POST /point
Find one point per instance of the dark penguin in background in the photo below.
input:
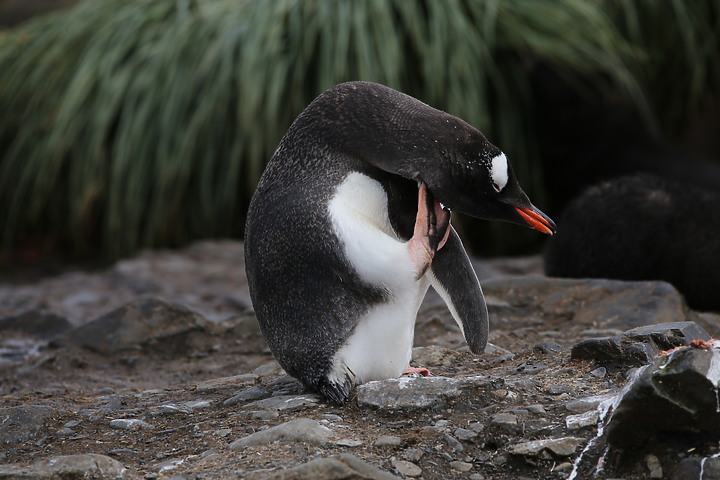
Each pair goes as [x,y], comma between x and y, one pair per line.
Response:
[350,224]
[642,227]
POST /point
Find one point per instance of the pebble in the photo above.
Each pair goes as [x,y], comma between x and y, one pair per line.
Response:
[263,414]
[129,424]
[562,447]
[464,434]
[285,403]
[299,430]
[453,443]
[581,420]
[504,419]
[348,442]
[387,441]
[249,394]
[407,468]
[581,405]
[461,466]
[537,409]
[599,372]
[413,454]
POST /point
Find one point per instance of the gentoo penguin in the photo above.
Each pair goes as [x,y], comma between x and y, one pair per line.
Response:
[643,227]
[350,224]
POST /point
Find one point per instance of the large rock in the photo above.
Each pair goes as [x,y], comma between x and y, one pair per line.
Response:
[89,466]
[338,467]
[609,303]
[677,393]
[418,393]
[23,423]
[295,431]
[140,322]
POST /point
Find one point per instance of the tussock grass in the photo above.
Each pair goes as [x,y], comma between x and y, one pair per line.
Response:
[130,123]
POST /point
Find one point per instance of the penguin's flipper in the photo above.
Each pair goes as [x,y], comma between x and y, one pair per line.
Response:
[453,277]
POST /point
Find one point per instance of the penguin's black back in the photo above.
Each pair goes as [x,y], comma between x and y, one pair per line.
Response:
[642,227]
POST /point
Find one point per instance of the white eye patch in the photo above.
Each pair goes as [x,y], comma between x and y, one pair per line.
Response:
[499,171]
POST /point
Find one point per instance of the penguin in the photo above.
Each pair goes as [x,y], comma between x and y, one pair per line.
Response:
[350,224]
[643,227]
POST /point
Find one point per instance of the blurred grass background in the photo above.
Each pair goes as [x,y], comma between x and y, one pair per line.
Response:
[145,123]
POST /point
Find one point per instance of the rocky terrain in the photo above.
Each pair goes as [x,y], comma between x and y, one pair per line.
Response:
[155,368]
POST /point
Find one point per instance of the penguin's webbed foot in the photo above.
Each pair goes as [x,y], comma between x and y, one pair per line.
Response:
[432,227]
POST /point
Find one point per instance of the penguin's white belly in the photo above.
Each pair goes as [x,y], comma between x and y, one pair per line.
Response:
[380,346]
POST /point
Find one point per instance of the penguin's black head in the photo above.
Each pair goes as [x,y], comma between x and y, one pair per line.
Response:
[475,177]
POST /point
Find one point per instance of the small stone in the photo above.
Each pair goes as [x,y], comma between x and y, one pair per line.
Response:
[562,447]
[504,419]
[563,467]
[603,348]
[453,443]
[129,424]
[599,372]
[407,468]
[537,409]
[299,430]
[387,441]
[88,465]
[65,432]
[654,466]
[559,390]
[413,454]
[464,434]
[338,467]
[548,348]
[287,403]
[249,394]
[264,414]
[348,442]
[575,422]
[476,476]
[476,427]
[461,466]
[581,405]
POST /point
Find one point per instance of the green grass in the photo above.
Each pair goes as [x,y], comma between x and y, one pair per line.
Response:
[132,123]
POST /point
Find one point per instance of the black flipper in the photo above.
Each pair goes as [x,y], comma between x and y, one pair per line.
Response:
[453,277]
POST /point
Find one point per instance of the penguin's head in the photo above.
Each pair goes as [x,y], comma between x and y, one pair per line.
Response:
[474,177]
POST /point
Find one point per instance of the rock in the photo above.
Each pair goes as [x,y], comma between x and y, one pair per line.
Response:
[89,466]
[226,382]
[580,405]
[338,467]
[464,434]
[609,303]
[249,394]
[436,356]
[461,466]
[416,393]
[654,466]
[140,322]
[676,394]
[668,335]
[562,447]
[408,469]
[129,424]
[696,468]
[38,323]
[548,348]
[413,454]
[387,441]
[299,430]
[22,424]
[638,346]
[504,419]
[348,442]
[282,403]
[575,422]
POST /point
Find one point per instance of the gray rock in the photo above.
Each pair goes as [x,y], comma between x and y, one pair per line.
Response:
[464,434]
[337,467]
[413,454]
[284,402]
[504,419]
[38,323]
[142,321]
[299,430]
[349,442]
[416,393]
[580,405]
[21,424]
[602,348]
[668,335]
[224,383]
[610,303]
[89,466]
[387,441]
[677,393]
[461,466]
[561,447]
[130,424]
[249,394]
[697,468]
[582,420]
[408,469]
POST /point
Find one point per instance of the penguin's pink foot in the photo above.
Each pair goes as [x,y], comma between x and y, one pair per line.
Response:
[421,370]
[432,227]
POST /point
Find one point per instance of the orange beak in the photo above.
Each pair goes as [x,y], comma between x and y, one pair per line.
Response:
[537,219]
